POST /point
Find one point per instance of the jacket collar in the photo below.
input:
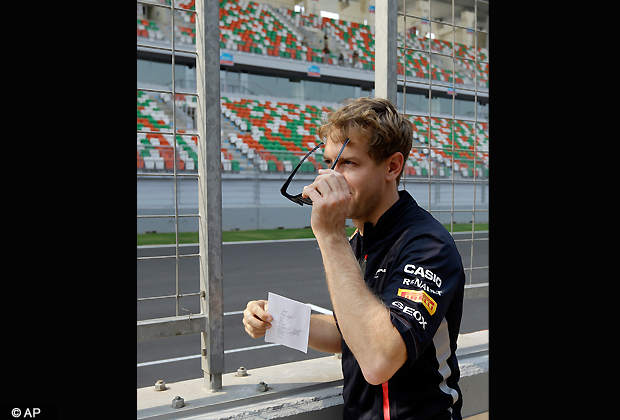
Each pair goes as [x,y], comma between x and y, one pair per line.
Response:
[389,220]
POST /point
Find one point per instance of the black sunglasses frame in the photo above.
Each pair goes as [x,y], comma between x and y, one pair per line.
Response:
[298,198]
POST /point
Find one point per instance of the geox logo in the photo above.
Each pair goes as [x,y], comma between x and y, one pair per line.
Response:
[419,296]
[410,311]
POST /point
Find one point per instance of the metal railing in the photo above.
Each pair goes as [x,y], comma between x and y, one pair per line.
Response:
[387,82]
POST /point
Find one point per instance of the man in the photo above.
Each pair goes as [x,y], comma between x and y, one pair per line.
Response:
[396,285]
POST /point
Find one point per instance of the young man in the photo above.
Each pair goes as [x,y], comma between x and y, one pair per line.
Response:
[396,285]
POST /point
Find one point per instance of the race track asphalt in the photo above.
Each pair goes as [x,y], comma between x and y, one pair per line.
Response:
[250,271]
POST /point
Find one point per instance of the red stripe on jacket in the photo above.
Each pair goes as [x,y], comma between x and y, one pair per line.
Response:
[386,401]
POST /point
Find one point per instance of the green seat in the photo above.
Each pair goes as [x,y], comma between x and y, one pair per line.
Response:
[307,167]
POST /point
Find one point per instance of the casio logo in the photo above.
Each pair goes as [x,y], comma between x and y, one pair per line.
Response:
[428,274]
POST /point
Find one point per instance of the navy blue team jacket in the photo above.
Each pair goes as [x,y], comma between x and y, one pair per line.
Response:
[411,263]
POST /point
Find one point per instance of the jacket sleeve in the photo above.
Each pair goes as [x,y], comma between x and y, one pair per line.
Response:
[424,277]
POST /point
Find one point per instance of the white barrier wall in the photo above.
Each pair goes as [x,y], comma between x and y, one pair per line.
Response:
[250,204]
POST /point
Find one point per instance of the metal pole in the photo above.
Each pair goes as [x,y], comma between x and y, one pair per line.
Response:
[386,27]
[404,55]
[473,219]
[210,190]
[174,137]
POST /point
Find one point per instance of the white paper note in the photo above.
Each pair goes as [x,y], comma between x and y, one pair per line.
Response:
[291,322]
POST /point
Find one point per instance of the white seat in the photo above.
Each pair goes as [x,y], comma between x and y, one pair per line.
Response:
[149,162]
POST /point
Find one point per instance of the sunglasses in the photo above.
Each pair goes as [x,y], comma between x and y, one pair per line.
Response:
[298,198]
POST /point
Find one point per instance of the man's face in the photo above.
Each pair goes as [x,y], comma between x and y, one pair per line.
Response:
[365,179]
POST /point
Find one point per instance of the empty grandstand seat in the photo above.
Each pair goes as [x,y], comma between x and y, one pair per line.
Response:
[149,162]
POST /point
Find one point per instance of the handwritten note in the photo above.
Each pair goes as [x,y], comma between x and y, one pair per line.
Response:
[291,322]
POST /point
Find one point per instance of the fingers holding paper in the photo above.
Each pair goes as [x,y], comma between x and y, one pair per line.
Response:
[256,319]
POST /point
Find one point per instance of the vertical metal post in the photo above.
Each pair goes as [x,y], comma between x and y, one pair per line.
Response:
[404,64]
[386,29]
[453,122]
[174,137]
[210,190]
[473,219]
[430,98]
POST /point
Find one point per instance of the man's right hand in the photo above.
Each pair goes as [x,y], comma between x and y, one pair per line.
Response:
[256,319]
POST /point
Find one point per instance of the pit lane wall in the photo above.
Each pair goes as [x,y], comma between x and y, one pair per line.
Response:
[305,390]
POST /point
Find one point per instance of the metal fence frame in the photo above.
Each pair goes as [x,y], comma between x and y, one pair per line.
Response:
[386,86]
[209,323]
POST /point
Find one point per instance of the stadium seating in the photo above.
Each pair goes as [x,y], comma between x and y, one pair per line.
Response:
[355,37]
[149,29]
[280,132]
[252,27]
[274,130]
[307,20]
[358,37]
[150,116]
[155,150]
[417,63]
[443,157]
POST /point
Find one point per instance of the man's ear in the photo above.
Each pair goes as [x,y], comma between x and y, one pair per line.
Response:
[395,165]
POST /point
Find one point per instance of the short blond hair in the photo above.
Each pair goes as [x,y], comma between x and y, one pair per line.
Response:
[375,119]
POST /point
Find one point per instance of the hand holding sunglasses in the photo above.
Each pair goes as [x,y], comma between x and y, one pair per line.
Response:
[298,198]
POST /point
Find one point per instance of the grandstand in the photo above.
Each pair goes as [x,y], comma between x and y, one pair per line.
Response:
[271,102]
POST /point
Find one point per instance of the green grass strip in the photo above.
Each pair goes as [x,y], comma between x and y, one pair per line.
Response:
[263,235]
